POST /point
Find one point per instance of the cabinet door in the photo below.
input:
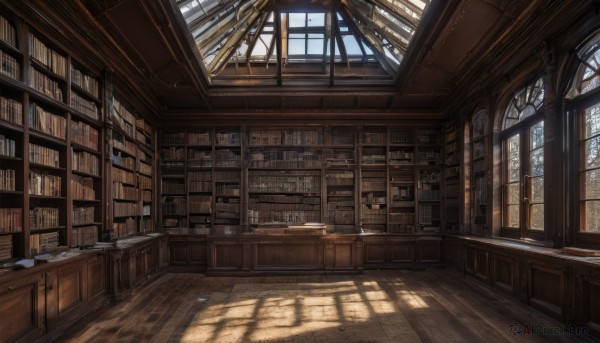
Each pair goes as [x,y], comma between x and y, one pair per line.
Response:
[22,308]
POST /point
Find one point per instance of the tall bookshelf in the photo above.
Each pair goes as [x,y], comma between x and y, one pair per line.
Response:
[131,181]
[50,151]
[478,175]
[382,179]
[451,177]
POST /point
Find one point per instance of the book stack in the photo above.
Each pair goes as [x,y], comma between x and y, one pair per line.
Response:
[7,180]
[84,236]
[10,220]
[43,218]
[6,247]
[7,146]
[43,242]
[11,110]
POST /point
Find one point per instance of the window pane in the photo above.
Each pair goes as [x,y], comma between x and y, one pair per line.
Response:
[537,217]
[537,162]
[514,162]
[592,153]
[315,46]
[537,189]
[316,19]
[297,20]
[513,215]
[537,135]
[592,209]
[592,184]
[514,193]
[592,121]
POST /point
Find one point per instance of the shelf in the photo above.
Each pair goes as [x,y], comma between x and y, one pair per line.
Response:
[47,138]
[11,126]
[85,174]
[43,166]
[48,229]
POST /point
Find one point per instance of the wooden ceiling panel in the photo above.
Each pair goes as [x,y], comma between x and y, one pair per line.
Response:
[473,25]
[257,103]
[133,23]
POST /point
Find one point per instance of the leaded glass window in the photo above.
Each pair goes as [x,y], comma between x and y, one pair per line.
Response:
[523,137]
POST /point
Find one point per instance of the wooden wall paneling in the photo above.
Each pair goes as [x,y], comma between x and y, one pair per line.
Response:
[289,254]
[224,255]
[502,272]
[71,292]
[586,297]
[429,249]
[402,251]
[375,250]
[96,270]
[546,288]
[180,252]
[23,308]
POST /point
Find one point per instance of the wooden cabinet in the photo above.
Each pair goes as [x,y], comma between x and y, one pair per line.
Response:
[187,252]
[397,251]
[135,261]
[273,254]
[46,298]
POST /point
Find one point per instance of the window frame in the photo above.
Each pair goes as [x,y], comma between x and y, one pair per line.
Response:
[523,129]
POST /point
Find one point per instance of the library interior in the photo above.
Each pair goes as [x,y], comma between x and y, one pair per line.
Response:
[292,171]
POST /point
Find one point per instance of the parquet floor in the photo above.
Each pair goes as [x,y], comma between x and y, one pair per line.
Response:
[434,305]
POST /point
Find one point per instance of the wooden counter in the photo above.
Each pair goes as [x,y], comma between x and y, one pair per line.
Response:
[319,254]
[40,301]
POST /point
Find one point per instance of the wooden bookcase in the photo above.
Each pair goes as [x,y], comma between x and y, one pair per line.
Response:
[381,179]
[452,177]
[50,145]
[53,171]
[131,177]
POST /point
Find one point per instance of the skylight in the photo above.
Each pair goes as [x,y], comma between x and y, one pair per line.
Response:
[256,42]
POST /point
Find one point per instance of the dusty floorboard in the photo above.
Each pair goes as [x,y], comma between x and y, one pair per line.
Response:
[380,306]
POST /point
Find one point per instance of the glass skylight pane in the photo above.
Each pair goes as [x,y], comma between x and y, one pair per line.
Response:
[315,46]
[368,51]
[262,45]
[351,44]
[297,19]
[328,50]
[296,46]
[316,19]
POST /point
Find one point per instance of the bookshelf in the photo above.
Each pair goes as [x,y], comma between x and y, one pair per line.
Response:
[50,145]
[451,177]
[478,175]
[131,149]
[380,179]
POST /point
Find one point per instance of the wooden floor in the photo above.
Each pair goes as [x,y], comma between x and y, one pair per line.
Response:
[434,305]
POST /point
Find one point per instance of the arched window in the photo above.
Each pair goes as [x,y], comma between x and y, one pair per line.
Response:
[585,105]
[523,156]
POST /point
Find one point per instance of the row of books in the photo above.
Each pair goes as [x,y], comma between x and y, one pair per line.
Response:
[145,182]
[124,144]
[9,66]
[51,59]
[84,236]
[121,229]
[8,33]
[44,218]
[179,138]
[84,106]
[173,188]
[230,190]
[44,155]
[82,188]
[205,175]
[120,175]
[227,176]
[284,216]
[402,136]
[85,162]
[377,137]
[11,220]
[121,209]
[83,134]
[44,184]
[200,204]
[7,146]
[11,110]
[6,247]
[122,117]
[146,195]
[174,208]
[199,186]
[194,154]
[287,199]
[123,192]
[228,138]
[407,218]
[255,204]
[83,215]
[172,153]
[85,82]
[284,184]
[45,85]
[46,122]
[194,138]
[7,180]
[145,168]
[286,137]
[341,217]
[123,161]
[40,243]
